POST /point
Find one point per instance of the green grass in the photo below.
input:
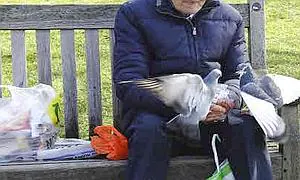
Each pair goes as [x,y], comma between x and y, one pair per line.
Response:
[283,40]
[282,37]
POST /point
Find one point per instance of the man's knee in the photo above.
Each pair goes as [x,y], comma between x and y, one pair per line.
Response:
[242,122]
[248,130]
[147,124]
[250,125]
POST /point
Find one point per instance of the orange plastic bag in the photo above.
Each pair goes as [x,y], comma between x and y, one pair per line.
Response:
[111,142]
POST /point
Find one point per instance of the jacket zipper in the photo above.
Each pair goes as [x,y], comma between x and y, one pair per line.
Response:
[194,33]
[194,29]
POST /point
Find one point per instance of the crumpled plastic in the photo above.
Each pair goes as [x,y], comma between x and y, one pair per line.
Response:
[25,124]
[108,140]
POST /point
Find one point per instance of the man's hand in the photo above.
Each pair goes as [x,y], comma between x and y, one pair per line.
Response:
[218,111]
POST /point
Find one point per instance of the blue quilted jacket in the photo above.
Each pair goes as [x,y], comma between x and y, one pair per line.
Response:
[153,39]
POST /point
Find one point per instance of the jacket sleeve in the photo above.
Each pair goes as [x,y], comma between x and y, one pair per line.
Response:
[236,54]
[131,59]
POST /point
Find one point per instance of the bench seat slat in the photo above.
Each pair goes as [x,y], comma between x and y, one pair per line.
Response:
[18,57]
[187,167]
[94,78]
[43,56]
[69,83]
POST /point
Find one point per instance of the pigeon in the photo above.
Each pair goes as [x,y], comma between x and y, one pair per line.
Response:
[183,92]
[261,87]
[264,95]
[188,94]
[191,131]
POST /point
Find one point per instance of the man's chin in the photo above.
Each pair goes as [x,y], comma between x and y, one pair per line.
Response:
[189,8]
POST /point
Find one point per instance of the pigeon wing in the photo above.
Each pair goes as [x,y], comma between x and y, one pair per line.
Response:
[180,91]
[265,114]
[255,90]
[268,85]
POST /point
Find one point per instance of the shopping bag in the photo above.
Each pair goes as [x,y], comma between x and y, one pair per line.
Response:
[25,124]
[108,140]
[223,171]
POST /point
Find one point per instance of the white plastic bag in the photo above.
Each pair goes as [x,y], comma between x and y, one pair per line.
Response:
[26,108]
[223,171]
[25,123]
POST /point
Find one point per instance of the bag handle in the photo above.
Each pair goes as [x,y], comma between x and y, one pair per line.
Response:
[213,145]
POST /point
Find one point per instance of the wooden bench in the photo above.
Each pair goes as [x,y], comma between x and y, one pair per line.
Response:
[91,18]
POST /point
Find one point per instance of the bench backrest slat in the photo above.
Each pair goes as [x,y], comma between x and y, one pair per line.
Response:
[117,105]
[69,83]
[94,78]
[257,36]
[43,56]
[57,16]
[69,16]
[0,71]
[18,57]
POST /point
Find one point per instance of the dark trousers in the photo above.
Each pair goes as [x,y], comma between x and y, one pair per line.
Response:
[150,147]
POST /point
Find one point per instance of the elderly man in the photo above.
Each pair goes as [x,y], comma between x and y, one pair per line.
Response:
[161,37]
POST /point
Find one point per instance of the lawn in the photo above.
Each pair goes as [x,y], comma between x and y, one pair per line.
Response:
[282,36]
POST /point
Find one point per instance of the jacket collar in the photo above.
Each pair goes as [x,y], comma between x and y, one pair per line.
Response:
[167,7]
